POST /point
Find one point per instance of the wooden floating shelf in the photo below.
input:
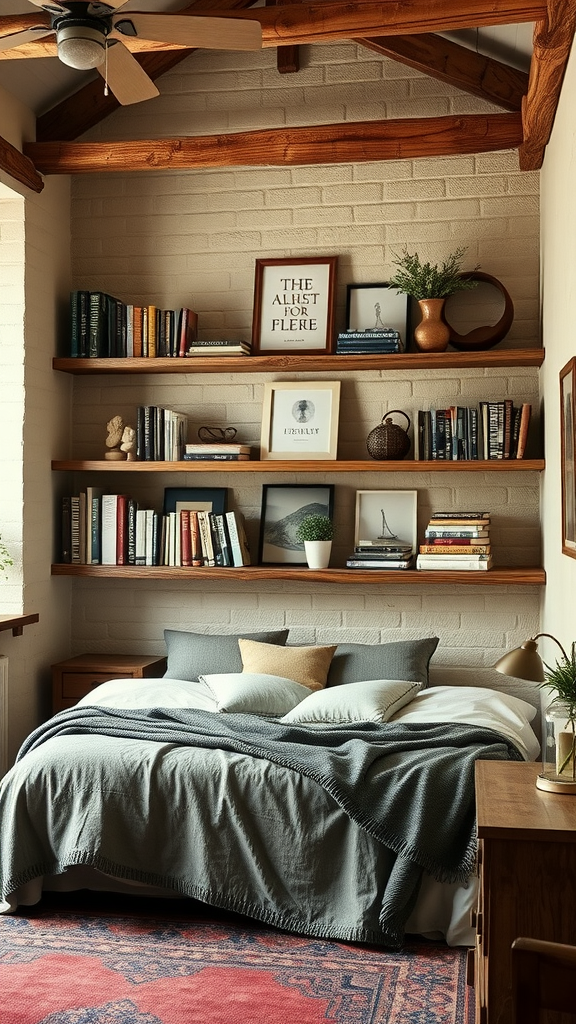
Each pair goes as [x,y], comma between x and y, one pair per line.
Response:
[302,466]
[17,622]
[515,576]
[303,363]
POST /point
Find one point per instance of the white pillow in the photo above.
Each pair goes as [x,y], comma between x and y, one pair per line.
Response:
[150,693]
[255,693]
[477,705]
[373,700]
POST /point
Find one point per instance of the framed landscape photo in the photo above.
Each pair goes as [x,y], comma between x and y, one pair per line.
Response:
[386,518]
[284,506]
[300,420]
[200,499]
[294,305]
[375,307]
[568,456]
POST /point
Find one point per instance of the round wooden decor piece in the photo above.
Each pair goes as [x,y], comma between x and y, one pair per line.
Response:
[482,338]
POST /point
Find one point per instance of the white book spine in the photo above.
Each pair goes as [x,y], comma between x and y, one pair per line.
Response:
[109,527]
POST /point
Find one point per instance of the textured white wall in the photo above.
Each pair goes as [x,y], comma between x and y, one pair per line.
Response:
[192,238]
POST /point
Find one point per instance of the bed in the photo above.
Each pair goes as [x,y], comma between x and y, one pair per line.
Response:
[326,790]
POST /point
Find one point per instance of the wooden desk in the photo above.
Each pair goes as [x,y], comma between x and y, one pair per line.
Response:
[527,868]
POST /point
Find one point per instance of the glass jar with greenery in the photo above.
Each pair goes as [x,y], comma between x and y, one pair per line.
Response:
[559,740]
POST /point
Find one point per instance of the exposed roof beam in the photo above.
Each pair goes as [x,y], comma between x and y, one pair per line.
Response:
[325,21]
[552,44]
[18,166]
[323,144]
[456,65]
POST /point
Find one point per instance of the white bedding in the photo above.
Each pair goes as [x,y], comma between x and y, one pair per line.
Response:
[442,910]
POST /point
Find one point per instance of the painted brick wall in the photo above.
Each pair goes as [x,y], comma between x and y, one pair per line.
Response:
[192,238]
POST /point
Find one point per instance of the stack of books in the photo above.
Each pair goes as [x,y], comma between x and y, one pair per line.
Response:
[219,348]
[456,540]
[381,556]
[368,342]
[225,451]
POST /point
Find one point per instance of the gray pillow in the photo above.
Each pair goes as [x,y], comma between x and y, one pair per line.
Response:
[194,654]
[403,659]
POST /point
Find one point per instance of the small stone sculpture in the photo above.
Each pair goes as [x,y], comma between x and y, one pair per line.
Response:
[129,443]
[115,428]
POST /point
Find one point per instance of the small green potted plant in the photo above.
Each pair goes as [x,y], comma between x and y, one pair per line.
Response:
[316,533]
[559,753]
[431,284]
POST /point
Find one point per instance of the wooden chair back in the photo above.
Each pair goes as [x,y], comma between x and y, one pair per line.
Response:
[543,978]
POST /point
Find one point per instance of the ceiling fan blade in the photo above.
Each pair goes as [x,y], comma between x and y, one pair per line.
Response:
[126,78]
[51,6]
[210,33]
[29,35]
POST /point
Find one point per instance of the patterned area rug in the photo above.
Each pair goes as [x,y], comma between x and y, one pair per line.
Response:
[161,966]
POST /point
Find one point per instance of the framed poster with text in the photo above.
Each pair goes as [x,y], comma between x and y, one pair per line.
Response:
[294,305]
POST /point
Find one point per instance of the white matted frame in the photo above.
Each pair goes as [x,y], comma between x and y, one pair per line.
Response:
[376,307]
[386,516]
[294,305]
[300,420]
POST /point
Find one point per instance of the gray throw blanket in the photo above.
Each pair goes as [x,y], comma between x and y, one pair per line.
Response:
[410,786]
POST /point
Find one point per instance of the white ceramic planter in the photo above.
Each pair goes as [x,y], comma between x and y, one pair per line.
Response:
[318,553]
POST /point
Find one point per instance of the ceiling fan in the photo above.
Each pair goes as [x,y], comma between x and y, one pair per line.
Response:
[90,35]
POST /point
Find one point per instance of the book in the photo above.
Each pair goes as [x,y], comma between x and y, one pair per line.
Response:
[218,350]
[227,447]
[140,549]
[75,528]
[66,530]
[457,532]
[93,525]
[385,335]
[453,562]
[460,517]
[215,457]
[206,544]
[195,543]
[79,320]
[109,528]
[364,563]
[82,526]
[238,543]
[221,540]
[151,521]
[458,541]
[132,510]
[525,414]
[454,549]
[381,553]
[187,331]
[185,538]
[122,529]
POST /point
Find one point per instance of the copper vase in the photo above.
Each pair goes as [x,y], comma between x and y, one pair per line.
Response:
[432,334]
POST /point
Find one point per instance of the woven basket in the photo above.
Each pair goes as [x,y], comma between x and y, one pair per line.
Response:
[389,440]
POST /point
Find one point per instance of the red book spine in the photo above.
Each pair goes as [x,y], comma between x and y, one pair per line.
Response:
[185,538]
[122,530]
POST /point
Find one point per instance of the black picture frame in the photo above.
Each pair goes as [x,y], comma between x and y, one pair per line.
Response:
[283,508]
[212,499]
[393,309]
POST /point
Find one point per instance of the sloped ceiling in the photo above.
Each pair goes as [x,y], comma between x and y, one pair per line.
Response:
[444,40]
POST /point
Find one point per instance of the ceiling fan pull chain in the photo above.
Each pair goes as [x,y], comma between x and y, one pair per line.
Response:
[106,68]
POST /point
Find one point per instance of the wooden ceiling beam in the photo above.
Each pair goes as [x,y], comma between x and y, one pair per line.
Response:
[456,65]
[326,21]
[323,144]
[19,167]
[552,44]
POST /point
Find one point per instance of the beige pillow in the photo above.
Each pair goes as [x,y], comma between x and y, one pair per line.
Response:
[306,665]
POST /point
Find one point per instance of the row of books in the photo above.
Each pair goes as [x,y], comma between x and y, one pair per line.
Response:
[492,430]
[160,434]
[456,541]
[104,327]
[368,342]
[112,529]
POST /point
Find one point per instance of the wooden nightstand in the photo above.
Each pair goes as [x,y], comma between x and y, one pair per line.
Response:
[74,678]
[527,867]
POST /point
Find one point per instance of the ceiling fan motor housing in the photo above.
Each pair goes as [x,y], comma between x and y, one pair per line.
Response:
[81,41]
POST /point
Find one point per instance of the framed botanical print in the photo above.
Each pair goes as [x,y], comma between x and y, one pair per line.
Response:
[294,305]
[567,450]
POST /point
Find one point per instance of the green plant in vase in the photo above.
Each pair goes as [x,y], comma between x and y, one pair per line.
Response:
[431,284]
[316,533]
[562,709]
